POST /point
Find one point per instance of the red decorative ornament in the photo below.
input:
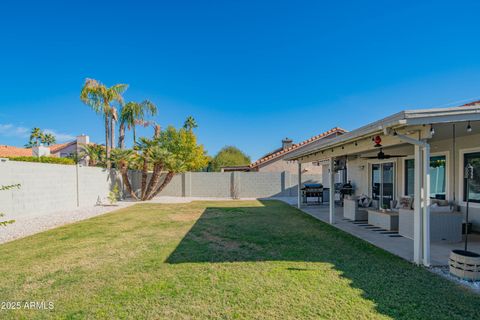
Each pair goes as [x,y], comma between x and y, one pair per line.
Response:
[378,141]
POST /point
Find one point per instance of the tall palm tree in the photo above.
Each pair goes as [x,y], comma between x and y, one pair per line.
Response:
[100,98]
[132,114]
[190,123]
[49,139]
[36,137]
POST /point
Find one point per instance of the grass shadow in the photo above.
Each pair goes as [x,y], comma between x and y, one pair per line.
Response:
[278,232]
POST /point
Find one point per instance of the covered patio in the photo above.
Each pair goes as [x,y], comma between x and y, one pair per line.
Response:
[391,161]
[388,241]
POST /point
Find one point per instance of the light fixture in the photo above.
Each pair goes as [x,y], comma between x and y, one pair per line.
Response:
[432,131]
[356,144]
[469,127]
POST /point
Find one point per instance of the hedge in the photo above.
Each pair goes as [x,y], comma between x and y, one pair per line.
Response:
[44,159]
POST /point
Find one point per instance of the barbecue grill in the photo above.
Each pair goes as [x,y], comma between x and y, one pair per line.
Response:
[345,190]
[312,190]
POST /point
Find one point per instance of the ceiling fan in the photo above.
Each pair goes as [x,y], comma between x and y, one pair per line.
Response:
[382,156]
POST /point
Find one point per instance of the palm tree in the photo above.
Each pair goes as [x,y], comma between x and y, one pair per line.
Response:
[132,114]
[100,99]
[49,139]
[94,152]
[36,137]
[190,124]
[159,156]
[122,159]
[143,146]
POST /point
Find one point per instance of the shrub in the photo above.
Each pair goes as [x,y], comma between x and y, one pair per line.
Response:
[114,195]
[2,188]
[44,159]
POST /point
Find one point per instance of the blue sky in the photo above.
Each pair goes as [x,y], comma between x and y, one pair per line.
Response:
[250,72]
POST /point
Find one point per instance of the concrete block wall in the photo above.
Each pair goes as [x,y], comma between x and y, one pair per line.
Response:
[235,184]
[46,188]
[211,184]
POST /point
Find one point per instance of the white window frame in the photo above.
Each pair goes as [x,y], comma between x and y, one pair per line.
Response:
[461,158]
[448,195]
[373,161]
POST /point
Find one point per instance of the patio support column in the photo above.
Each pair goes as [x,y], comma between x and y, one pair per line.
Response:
[417,207]
[299,186]
[426,205]
[331,193]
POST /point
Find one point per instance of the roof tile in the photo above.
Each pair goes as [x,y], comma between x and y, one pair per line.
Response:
[296,146]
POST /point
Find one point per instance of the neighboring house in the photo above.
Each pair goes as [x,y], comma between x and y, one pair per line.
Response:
[9,151]
[414,155]
[67,149]
[274,160]
[62,150]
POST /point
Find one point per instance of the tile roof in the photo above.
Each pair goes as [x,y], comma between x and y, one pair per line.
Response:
[282,152]
[54,148]
[9,151]
[471,104]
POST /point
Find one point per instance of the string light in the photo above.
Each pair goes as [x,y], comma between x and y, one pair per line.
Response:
[469,127]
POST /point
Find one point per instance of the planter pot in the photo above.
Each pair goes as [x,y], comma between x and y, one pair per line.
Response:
[465,264]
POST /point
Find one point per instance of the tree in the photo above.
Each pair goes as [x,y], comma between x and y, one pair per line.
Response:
[122,158]
[172,151]
[36,137]
[229,156]
[49,139]
[190,124]
[184,155]
[101,98]
[132,114]
[95,154]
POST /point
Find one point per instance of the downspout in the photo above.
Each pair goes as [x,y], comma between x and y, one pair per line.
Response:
[425,192]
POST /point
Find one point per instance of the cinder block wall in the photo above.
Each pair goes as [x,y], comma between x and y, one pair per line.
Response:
[233,184]
[47,188]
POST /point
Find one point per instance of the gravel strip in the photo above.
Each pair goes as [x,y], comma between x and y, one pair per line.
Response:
[444,272]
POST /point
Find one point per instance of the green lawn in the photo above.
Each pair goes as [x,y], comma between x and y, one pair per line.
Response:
[233,259]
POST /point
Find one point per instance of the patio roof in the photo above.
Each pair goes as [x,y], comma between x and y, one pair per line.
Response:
[401,119]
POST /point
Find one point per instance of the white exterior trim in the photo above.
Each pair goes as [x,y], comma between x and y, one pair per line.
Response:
[448,194]
[395,175]
[461,161]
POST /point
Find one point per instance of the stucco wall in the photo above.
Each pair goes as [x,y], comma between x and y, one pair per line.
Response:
[280,165]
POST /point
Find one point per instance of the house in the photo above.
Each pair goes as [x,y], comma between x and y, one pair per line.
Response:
[10,151]
[413,161]
[274,160]
[62,150]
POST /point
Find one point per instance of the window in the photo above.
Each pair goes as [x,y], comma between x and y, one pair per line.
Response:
[474,185]
[409,176]
[437,177]
[383,183]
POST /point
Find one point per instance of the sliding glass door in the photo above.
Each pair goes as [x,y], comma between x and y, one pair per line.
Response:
[383,183]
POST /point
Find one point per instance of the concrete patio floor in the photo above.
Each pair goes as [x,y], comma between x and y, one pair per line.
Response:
[394,243]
